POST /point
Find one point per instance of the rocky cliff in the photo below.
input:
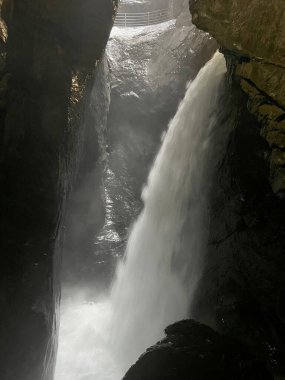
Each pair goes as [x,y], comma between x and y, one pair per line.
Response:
[242,290]
[254,36]
[46,68]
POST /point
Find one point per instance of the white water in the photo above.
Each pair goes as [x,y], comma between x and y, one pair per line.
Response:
[155,282]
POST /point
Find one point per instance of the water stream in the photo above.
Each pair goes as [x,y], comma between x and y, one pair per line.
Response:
[163,261]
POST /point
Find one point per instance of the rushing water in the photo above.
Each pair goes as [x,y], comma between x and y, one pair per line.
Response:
[155,282]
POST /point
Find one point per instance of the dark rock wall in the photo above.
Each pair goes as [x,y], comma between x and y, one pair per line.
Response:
[51,48]
[86,206]
[242,290]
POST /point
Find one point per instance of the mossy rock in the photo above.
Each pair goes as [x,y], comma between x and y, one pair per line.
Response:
[268,78]
[276,126]
[278,181]
[276,139]
[3,90]
[277,158]
[260,105]
[270,112]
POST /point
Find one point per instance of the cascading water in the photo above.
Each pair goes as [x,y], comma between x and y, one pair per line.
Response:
[148,293]
[154,284]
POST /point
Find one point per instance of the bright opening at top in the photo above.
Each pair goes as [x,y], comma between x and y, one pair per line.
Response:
[137,13]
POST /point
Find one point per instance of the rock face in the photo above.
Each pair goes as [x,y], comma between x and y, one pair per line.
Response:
[194,351]
[149,70]
[255,34]
[51,51]
[242,290]
[86,206]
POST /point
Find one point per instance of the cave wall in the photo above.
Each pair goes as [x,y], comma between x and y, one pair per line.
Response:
[86,205]
[241,292]
[242,289]
[255,34]
[51,50]
[149,70]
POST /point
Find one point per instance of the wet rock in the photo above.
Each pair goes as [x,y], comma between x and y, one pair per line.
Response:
[194,351]
[86,205]
[271,119]
[241,290]
[51,52]
[256,31]
[149,69]
[255,36]
[269,79]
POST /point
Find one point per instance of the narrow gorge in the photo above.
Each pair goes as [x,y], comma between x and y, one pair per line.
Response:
[142,190]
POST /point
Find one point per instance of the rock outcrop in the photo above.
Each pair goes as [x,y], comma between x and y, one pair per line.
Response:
[51,51]
[194,351]
[253,35]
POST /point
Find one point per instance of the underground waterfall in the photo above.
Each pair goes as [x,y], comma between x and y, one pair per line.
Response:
[155,282]
[142,190]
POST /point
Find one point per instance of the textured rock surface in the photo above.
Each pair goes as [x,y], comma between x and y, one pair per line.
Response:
[86,206]
[254,33]
[255,30]
[52,47]
[196,352]
[242,290]
[149,71]
[271,119]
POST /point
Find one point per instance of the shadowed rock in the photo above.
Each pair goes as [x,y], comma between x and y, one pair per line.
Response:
[194,351]
[51,52]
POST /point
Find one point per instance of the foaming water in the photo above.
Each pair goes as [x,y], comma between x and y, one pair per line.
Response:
[156,280]
[84,351]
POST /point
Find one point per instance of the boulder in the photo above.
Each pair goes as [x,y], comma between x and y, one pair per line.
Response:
[195,351]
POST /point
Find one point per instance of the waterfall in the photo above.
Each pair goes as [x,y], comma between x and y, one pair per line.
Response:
[149,293]
[156,280]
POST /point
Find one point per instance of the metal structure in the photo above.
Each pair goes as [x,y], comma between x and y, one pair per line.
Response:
[124,20]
